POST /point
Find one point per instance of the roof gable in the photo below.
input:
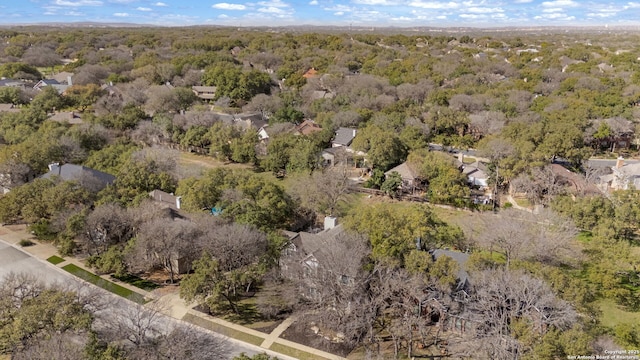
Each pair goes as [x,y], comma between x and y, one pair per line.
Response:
[344,136]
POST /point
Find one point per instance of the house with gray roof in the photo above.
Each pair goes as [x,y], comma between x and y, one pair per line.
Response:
[461,259]
[61,88]
[91,179]
[307,252]
[344,137]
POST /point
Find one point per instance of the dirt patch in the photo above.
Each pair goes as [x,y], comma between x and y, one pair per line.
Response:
[301,333]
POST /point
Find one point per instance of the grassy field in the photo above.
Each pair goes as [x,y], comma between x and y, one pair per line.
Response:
[612,314]
[224,330]
[55,260]
[298,354]
[137,282]
[107,285]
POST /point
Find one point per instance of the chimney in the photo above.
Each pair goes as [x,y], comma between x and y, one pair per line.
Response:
[619,162]
[178,201]
[330,222]
[354,132]
[53,166]
[461,157]
[69,82]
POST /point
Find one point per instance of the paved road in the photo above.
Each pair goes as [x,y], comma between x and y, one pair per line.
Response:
[606,163]
[15,260]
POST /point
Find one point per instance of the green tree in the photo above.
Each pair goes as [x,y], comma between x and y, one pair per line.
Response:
[394,231]
[392,184]
[83,96]
[384,150]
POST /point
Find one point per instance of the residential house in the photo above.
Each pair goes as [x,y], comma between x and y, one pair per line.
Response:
[307,127]
[306,253]
[204,92]
[341,152]
[343,137]
[166,200]
[63,77]
[476,174]
[623,176]
[91,179]
[246,121]
[574,183]
[13,83]
[61,88]
[461,259]
[410,177]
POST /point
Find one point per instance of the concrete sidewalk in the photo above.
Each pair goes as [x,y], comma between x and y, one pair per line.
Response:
[169,301]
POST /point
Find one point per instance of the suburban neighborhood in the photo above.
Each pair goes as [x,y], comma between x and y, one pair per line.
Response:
[252,195]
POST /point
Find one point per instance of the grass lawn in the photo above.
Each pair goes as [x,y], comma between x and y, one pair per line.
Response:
[208,162]
[524,202]
[613,314]
[137,282]
[55,260]
[298,354]
[107,285]
[224,330]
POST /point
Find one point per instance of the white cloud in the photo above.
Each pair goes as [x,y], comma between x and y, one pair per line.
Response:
[473,16]
[74,13]
[602,14]
[559,3]
[227,6]
[434,4]
[223,16]
[483,10]
[339,8]
[339,13]
[555,16]
[143,9]
[313,2]
[78,3]
[160,4]
[272,10]
[552,10]
[402,18]
[121,15]
[522,1]
[273,3]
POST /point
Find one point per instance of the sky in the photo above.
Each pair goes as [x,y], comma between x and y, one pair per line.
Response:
[376,13]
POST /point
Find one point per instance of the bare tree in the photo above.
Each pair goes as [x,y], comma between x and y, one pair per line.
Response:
[541,185]
[167,244]
[522,235]
[500,298]
[107,225]
[264,104]
[326,190]
[14,173]
[334,285]
[233,245]
[41,56]
[64,346]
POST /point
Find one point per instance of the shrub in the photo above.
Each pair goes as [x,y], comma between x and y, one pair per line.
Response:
[26,242]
